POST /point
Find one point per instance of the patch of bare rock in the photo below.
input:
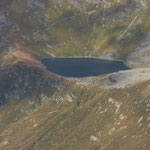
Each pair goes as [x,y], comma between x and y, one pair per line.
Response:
[121,79]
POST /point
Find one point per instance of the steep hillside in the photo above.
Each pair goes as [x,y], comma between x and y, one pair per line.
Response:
[40,110]
[75,28]
[84,118]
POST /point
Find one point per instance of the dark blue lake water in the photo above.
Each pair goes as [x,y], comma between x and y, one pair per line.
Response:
[82,67]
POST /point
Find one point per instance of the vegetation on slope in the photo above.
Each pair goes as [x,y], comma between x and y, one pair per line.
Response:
[39,110]
[81,118]
[61,28]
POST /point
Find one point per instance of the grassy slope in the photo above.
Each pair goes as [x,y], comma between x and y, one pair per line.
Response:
[69,126]
[55,123]
[73,32]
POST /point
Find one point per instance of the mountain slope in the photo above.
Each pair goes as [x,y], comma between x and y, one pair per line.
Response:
[40,110]
[94,119]
[75,28]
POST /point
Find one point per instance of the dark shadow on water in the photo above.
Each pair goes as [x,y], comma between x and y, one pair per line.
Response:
[82,67]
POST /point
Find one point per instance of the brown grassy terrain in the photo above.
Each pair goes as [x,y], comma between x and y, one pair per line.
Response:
[42,111]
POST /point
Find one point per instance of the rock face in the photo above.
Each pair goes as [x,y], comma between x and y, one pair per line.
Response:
[117,80]
[141,56]
[35,4]
[127,78]
[4,22]
[20,77]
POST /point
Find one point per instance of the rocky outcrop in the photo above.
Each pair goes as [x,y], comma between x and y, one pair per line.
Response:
[141,56]
[128,78]
[38,4]
[26,81]
[4,22]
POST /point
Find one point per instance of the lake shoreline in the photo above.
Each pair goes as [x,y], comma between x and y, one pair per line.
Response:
[82,66]
[90,57]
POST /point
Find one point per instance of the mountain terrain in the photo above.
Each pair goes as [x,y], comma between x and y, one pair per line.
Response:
[40,110]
